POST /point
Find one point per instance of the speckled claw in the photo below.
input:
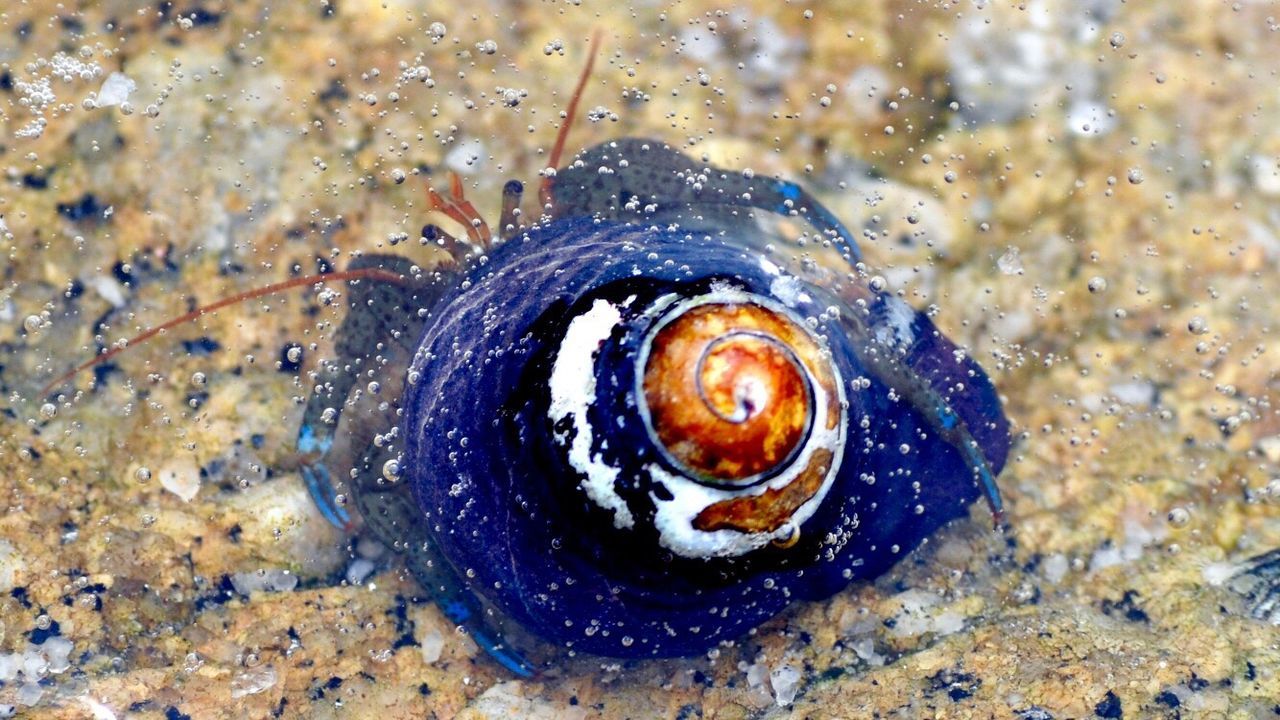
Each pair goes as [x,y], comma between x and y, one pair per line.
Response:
[350,431]
[785,197]
[651,182]
[381,314]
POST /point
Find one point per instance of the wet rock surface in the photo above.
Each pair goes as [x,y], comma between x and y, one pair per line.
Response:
[1101,232]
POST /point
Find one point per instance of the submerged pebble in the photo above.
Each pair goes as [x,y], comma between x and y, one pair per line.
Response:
[115,90]
[785,681]
[12,566]
[264,580]
[180,475]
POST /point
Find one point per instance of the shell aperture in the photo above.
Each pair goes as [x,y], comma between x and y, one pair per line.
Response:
[726,395]
[737,474]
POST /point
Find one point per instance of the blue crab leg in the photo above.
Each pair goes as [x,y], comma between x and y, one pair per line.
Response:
[948,424]
[315,439]
[316,476]
[391,513]
[899,344]
[944,421]
[461,608]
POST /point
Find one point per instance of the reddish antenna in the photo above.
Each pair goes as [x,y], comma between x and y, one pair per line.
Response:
[375,274]
[544,192]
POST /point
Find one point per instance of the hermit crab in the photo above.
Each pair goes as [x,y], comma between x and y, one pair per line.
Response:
[647,418]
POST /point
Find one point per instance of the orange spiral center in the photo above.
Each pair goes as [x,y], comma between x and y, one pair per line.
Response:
[727,390]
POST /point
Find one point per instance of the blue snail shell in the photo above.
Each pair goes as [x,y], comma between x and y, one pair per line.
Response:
[503,507]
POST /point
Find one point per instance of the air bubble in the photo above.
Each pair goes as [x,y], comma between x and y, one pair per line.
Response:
[391,470]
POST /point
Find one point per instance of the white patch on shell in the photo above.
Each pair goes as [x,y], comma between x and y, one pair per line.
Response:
[786,288]
[789,290]
[896,328]
[674,518]
[573,391]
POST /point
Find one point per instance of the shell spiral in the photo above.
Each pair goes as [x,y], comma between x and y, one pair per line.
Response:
[640,442]
[736,393]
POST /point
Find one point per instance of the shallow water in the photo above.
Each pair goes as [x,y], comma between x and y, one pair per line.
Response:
[1088,193]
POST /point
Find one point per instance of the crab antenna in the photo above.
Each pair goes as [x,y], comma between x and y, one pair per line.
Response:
[375,274]
[544,193]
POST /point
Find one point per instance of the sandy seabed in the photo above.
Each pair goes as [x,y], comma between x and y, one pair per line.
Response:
[1088,192]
